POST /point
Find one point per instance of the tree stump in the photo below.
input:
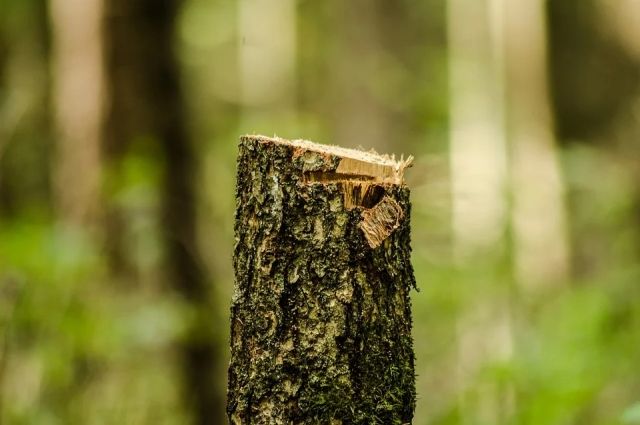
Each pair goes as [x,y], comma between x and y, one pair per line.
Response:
[321,315]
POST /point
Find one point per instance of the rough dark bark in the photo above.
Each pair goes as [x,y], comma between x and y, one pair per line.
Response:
[321,317]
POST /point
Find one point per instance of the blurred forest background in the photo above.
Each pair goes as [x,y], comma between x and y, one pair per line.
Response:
[119,121]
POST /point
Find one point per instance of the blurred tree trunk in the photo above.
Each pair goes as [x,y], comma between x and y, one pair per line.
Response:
[598,37]
[267,30]
[25,115]
[147,101]
[500,119]
[4,57]
[4,136]
[539,215]
[77,98]
[601,39]
[479,181]
[478,139]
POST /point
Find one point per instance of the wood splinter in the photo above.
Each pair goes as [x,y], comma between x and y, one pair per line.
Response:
[321,317]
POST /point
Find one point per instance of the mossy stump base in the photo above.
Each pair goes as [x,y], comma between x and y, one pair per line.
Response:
[321,315]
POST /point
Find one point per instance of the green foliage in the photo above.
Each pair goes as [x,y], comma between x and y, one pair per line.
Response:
[68,336]
[632,415]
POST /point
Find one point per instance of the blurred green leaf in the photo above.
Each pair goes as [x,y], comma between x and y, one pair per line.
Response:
[632,414]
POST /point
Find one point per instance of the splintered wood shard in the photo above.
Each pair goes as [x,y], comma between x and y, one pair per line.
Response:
[380,221]
[321,312]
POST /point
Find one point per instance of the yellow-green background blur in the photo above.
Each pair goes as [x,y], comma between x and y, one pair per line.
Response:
[119,121]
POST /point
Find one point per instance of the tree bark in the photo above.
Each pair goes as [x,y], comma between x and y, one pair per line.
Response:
[321,317]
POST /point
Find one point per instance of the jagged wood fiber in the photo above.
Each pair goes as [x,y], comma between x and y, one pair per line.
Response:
[320,320]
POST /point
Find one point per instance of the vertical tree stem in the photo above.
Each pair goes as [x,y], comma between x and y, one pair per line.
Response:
[321,317]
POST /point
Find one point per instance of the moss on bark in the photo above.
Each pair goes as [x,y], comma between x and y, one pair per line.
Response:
[321,321]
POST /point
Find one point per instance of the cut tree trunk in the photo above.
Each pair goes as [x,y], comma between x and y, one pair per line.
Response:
[321,315]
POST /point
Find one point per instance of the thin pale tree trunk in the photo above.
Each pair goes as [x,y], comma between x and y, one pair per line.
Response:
[539,214]
[77,100]
[478,150]
[478,145]
[267,32]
